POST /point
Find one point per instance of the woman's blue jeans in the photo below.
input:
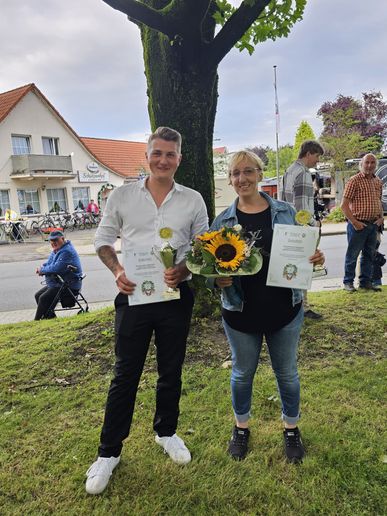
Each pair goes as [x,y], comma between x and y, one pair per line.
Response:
[245,351]
[364,241]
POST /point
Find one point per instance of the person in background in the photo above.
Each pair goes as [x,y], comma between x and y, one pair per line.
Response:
[377,263]
[55,208]
[92,207]
[29,209]
[297,189]
[62,255]
[145,214]
[362,207]
[252,310]
[13,218]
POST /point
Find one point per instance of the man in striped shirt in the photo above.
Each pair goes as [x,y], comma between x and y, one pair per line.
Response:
[362,206]
[298,190]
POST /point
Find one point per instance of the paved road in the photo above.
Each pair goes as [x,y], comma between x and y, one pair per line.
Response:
[18,281]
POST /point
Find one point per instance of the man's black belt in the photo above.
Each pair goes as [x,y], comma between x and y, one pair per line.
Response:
[367,221]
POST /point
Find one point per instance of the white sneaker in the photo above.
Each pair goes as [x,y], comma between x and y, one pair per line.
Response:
[99,473]
[175,448]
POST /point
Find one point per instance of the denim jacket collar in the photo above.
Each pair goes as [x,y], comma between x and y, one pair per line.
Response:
[275,206]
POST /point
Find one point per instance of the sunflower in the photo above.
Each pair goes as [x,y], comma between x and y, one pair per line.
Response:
[228,251]
[209,235]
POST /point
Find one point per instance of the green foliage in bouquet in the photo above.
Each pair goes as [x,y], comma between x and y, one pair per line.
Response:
[224,252]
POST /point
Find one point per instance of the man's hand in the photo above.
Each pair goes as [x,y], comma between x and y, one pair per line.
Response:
[125,286]
[224,281]
[358,225]
[318,258]
[38,271]
[175,275]
[379,221]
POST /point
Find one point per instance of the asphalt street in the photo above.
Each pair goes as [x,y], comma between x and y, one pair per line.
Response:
[18,281]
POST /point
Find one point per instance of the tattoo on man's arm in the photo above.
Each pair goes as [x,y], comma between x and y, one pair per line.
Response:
[108,256]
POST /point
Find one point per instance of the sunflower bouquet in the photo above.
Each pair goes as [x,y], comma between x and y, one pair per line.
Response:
[224,252]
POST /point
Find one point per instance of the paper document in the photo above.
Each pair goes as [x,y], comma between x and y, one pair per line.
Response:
[143,268]
[291,249]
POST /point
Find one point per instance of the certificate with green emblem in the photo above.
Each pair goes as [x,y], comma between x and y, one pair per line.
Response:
[291,248]
[143,268]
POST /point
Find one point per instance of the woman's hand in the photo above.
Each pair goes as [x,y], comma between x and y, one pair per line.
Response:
[223,281]
[318,258]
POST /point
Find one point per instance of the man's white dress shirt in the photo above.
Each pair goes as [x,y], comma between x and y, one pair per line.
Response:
[132,214]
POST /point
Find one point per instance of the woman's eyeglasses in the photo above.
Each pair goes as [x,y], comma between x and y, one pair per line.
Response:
[247,172]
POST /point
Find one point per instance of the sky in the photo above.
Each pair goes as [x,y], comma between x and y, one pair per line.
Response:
[86,58]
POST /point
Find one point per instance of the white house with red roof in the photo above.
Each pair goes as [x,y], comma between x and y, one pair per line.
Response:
[45,165]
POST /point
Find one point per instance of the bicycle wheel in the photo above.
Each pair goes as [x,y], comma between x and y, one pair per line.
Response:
[34,229]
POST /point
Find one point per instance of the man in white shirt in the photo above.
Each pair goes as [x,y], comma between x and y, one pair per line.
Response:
[146,214]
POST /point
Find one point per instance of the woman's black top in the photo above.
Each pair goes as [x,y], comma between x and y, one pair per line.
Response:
[265,309]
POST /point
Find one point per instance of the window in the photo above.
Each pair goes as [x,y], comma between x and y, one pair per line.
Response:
[50,146]
[21,144]
[56,199]
[4,202]
[28,201]
[81,197]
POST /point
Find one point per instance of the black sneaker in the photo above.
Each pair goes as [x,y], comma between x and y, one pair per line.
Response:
[312,315]
[237,447]
[369,286]
[294,449]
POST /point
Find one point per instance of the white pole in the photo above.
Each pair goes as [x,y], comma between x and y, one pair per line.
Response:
[276,127]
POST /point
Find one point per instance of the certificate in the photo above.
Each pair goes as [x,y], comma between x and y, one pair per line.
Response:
[291,249]
[143,268]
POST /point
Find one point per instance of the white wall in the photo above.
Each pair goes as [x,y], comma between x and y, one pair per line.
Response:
[32,117]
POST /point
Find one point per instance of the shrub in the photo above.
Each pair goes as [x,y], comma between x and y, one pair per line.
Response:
[336,215]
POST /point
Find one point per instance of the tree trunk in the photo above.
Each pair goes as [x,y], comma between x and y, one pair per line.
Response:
[181,96]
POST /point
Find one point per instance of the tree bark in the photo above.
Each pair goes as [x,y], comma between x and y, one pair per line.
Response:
[181,96]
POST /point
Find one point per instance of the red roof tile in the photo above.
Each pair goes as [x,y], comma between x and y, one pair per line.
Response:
[9,99]
[127,158]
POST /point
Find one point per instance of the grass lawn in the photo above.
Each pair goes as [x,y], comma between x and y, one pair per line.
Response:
[54,377]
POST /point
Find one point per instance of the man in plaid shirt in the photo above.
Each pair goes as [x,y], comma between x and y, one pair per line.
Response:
[297,189]
[362,206]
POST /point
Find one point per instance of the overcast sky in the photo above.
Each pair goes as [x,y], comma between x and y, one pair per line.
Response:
[86,58]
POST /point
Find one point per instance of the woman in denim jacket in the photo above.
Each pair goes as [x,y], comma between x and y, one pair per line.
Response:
[251,310]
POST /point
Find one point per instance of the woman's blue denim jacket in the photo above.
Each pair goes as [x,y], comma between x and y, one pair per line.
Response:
[281,213]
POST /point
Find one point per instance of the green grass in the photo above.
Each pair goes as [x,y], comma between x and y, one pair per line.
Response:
[53,382]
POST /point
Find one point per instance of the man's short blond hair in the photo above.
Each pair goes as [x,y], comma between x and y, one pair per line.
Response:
[167,134]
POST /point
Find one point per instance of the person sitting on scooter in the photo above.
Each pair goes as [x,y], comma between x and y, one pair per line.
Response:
[62,256]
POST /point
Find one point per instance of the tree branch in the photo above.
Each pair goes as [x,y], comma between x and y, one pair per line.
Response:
[141,13]
[233,30]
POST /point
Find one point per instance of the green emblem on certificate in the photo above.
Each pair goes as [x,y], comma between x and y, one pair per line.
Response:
[166,233]
[290,271]
[148,287]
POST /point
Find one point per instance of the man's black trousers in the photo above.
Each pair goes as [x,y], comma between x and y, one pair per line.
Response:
[44,298]
[134,326]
